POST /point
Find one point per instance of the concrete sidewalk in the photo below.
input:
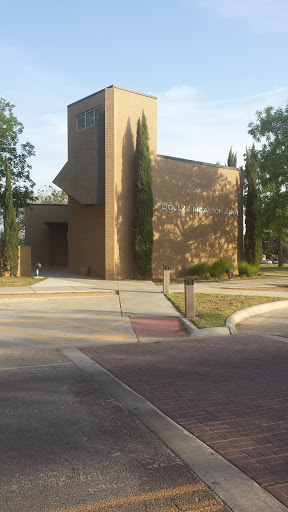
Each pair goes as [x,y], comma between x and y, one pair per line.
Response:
[136,297]
[151,314]
[150,293]
[271,287]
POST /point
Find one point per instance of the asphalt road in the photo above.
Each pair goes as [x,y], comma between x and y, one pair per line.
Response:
[65,444]
[274,323]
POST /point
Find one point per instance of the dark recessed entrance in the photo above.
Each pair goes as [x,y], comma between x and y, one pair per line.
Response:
[58,243]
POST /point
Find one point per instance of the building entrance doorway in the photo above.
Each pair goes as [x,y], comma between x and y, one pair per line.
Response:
[58,253]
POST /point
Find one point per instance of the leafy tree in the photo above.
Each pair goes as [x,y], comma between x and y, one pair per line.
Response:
[10,235]
[232,159]
[272,127]
[143,202]
[51,195]
[271,245]
[252,240]
[17,155]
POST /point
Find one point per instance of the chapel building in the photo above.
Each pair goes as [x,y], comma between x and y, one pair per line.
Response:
[197,206]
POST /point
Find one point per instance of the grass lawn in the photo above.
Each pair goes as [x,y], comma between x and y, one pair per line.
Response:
[212,310]
[274,269]
[19,281]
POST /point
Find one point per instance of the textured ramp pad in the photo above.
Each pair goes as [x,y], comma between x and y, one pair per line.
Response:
[158,326]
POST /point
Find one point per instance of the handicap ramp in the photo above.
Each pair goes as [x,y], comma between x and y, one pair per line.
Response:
[158,327]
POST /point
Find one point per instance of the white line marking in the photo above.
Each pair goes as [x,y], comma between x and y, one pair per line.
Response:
[35,366]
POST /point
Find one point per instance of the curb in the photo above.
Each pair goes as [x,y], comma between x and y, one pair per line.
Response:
[243,314]
[237,490]
[47,295]
[233,320]
[202,333]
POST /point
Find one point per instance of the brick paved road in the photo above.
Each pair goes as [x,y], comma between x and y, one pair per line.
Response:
[232,393]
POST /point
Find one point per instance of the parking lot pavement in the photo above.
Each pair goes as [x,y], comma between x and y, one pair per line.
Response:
[55,321]
[231,393]
[272,323]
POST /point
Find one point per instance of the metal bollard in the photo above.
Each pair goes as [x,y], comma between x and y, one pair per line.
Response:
[166,278]
[189,297]
[37,266]
[229,271]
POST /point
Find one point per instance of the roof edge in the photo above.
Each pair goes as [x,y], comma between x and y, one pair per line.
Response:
[130,90]
[112,87]
[198,162]
[89,96]
[47,204]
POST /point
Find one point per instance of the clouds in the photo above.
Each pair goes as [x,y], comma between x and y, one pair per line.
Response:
[181,93]
[259,15]
[192,127]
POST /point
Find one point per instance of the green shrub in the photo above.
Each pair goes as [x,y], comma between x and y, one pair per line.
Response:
[200,270]
[219,267]
[245,269]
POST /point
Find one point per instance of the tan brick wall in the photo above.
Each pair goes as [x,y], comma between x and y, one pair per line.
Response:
[101,236]
[110,203]
[82,177]
[86,238]
[38,234]
[122,110]
[180,239]
[24,262]
[76,108]
[183,238]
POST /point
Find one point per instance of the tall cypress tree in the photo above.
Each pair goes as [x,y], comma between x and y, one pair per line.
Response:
[232,159]
[10,237]
[252,240]
[143,202]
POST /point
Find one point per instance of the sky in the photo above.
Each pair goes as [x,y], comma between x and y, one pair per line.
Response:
[211,63]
